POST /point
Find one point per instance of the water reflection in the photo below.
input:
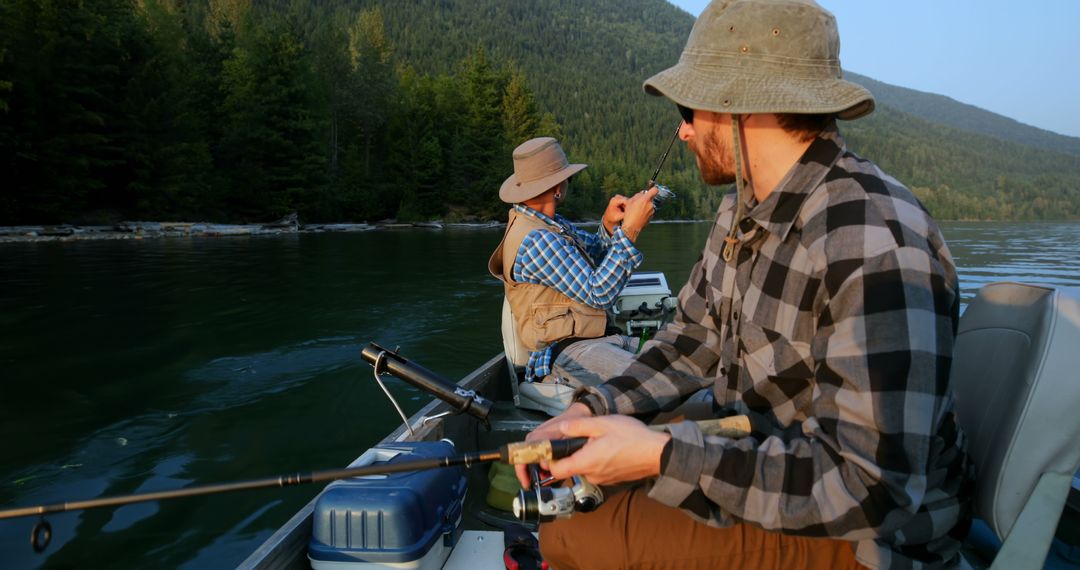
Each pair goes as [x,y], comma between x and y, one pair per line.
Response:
[1039,253]
[138,366]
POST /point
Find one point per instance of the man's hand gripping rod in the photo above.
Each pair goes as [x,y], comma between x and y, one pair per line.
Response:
[532,452]
[545,503]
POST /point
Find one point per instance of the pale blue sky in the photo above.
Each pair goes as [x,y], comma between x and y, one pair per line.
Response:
[1018,59]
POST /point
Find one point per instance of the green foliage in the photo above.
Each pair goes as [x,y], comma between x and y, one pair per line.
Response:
[167,148]
[960,175]
[65,61]
[269,139]
[5,86]
[519,111]
[370,109]
[585,62]
[417,145]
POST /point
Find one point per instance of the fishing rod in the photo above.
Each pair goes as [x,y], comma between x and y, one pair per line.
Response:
[664,193]
[663,157]
[520,453]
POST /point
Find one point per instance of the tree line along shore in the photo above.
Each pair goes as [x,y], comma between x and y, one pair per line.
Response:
[155,230]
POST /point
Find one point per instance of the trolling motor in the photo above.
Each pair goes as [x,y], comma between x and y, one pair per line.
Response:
[544,503]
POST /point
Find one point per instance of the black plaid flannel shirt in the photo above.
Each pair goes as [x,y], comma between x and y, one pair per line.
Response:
[832,327]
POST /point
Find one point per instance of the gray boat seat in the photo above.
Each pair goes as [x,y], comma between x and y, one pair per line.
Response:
[1016,375]
[516,354]
[551,399]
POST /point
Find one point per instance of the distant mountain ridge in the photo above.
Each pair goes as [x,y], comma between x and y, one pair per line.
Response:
[948,111]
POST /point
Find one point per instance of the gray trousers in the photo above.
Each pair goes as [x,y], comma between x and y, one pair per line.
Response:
[594,361]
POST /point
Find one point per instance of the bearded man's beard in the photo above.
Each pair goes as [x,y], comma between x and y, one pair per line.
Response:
[714,160]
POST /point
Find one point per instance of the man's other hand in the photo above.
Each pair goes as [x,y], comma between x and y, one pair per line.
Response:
[637,212]
[620,449]
[616,209]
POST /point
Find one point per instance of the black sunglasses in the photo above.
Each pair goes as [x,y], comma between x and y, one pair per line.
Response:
[687,114]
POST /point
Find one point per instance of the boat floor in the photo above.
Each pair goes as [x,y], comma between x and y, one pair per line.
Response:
[480,546]
[510,424]
[477,550]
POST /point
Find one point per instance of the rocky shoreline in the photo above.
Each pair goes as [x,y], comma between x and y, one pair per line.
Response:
[155,230]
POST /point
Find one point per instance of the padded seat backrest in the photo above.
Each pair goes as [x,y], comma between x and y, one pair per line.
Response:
[516,354]
[1016,375]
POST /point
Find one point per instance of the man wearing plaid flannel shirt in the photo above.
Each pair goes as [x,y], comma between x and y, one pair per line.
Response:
[823,308]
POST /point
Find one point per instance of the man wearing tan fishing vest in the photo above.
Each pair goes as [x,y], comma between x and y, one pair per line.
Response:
[560,280]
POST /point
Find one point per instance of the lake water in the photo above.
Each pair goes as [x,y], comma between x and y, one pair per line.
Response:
[137,366]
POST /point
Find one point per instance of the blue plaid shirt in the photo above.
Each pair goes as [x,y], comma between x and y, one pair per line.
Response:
[547,258]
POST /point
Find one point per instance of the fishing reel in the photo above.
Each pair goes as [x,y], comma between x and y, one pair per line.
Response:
[543,503]
[663,194]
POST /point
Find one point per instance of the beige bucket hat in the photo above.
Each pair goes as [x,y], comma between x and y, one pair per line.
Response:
[539,164]
[763,56]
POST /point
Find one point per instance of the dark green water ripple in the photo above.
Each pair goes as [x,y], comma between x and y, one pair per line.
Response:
[145,365]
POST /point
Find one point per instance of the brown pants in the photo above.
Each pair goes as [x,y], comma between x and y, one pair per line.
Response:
[632,531]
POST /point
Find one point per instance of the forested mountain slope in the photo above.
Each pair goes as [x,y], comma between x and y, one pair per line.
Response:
[353,110]
[586,62]
[948,111]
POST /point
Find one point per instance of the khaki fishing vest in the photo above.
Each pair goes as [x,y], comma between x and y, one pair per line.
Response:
[542,315]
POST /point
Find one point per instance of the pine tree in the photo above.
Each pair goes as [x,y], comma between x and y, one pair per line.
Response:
[483,141]
[519,111]
[334,77]
[8,204]
[63,107]
[167,147]
[5,86]
[270,141]
[548,126]
[416,149]
[374,80]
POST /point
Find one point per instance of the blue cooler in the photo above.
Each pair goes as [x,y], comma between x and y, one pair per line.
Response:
[401,520]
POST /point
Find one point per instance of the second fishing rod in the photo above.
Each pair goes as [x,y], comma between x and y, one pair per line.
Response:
[663,193]
[519,453]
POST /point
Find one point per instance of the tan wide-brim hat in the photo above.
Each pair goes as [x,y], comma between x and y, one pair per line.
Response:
[763,56]
[539,165]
